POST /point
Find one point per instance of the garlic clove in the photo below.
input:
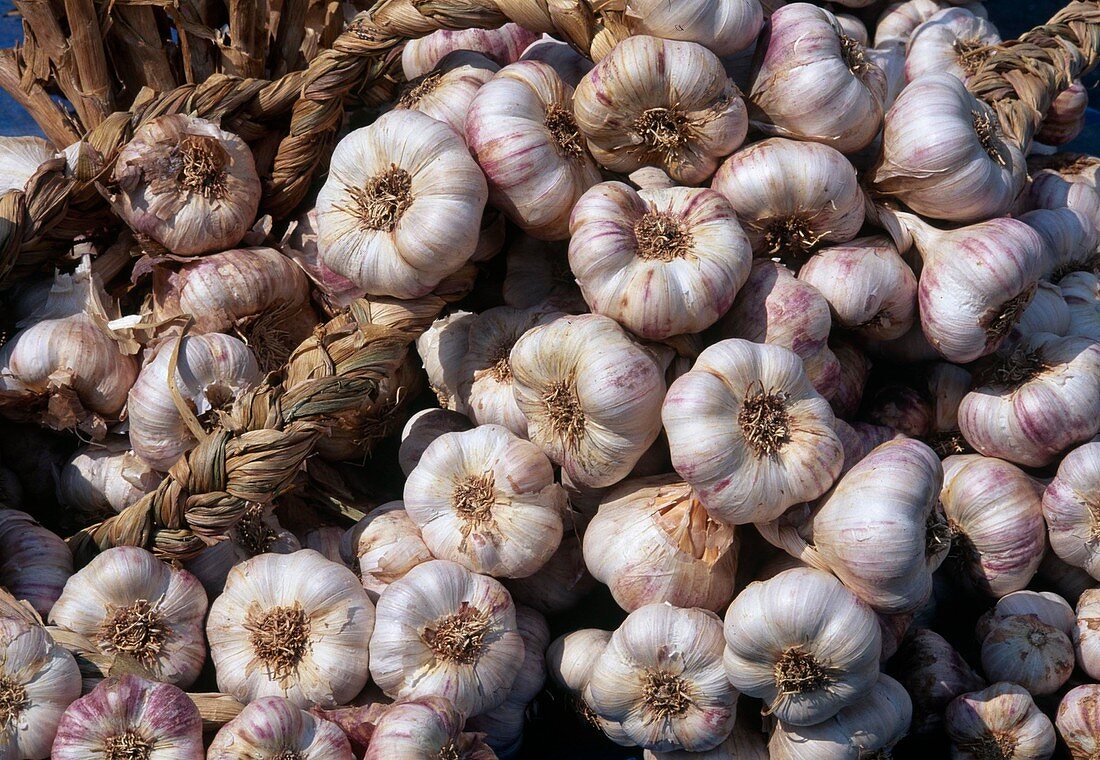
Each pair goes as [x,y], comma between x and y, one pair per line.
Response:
[271,726]
[743,743]
[898,20]
[1078,721]
[386,545]
[855,367]
[326,540]
[1070,239]
[35,564]
[1071,508]
[1001,719]
[1048,312]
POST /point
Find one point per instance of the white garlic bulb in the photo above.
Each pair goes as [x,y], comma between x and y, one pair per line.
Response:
[521,129]
[743,743]
[1071,510]
[661,678]
[133,606]
[20,158]
[660,262]
[944,154]
[35,563]
[804,644]
[442,348]
[748,432]
[1027,650]
[652,541]
[502,46]
[591,395]
[663,103]
[256,532]
[291,625]
[1047,313]
[560,56]
[271,727]
[387,545]
[1081,291]
[1086,632]
[933,673]
[898,20]
[994,511]
[867,728]
[425,727]
[105,477]
[446,91]
[187,185]
[1001,720]
[423,428]
[210,371]
[444,631]
[386,220]
[562,582]
[814,82]
[1065,118]
[1078,721]
[724,27]
[950,42]
[486,499]
[1070,239]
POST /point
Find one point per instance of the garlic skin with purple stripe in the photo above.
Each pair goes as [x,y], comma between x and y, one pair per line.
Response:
[1066,118]
[387,546]
[502,46]
[1071,508]
[1070,237]
[724,27]
[660,262]
[658,102]
[131,605]
[35,563]
[949,42]
[271,727]
[429,726]
[1001,720]
[898,20]
[447,90]
[1078,721]
[128,717]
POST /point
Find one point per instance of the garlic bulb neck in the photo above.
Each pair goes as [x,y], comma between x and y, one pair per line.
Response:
[564,411]
[138,630]
[662,237]
[938,532]
[460,637]
[790,238]
[417,90]
[279,638]
[197,164]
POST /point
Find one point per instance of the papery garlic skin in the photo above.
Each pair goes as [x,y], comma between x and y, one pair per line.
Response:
[210,371]
[661,678]
[521,129]
[651,541]
[1025,650]
[425,727]
[446,91]
[187,185]
[1081,291]
[502,46]
[855,368]
[743,743]
[35,563]
[128,716]
[804,644]
[1043,400]
[386,545]
[1050,189]
[591,395]
[291,625]
[945,156]
[1086,632]
[561,57]
[946,43]
[442,348]
[1047,313]
[486,499]
[1002,718]
[933,673]
[20,158]
[724,27]
[748,432]
[994,511]
[898,20]
[814,82]
[872,725]
[444,631]
[660,262]
[423,428]
[1078,721]
[1066,117]
[104,478]
[256,532]
[401,208]
[662,103]
[271,727]
[1071,508]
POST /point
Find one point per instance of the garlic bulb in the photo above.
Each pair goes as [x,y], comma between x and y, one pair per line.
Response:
[133,606]
[386,220]
[423,428]
[868,728]
[485,373]
[789,196]
[210,371]
[442,347]
[1086,632]
[1045,606]
[1047,313]
[258,294]
[1072,509]
[1026,650]
[669,548]
[933,673]
[661,678]
[1072,167]
[660,262]
[487,500]
[562,582]
[387,545]
[852,27]
[20,158]
[949,42]
[129,717]
[900,408]
[272,727]
[1067,580]
[743,743]
[898,20]
[1052,189]
[291,625]
[748,432]
[561,57]
[571,658]
[662,103]
[539,277]
[945,156]
[855,367]
[256,532]
[804,644]
[1066,117]
[429,726]
[105,477]
[444,631]
[35,563]
[999,721]
[1081,291]
[724,27]
[447,90]
[521,129]
[1078,721]
[502,46]
[947,385]
[1041,400]
[774,307]
[592,397]
[186,185]
[890,58]
[996,521]
[814,82]
[38,680]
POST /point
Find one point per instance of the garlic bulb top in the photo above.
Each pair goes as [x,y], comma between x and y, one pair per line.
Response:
[1071,507]
[487,500]
[446,91]
[814,82]
[661,678]
[187,185]
[291,625]
[20,158]
[272,727]
[35,563]
[724,27]
[1028,651]
[425,727]
[945,156]
[387,545]
[1001,719]
[401,208]
[210,371]
[502,46]
[661,262]
[105,477]
[1078,721]
[444,631]
[663,103]
[591,395]
[521,129]
[133,606]
[949,42]
[748,432]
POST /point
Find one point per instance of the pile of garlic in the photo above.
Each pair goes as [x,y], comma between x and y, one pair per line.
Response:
[754,411]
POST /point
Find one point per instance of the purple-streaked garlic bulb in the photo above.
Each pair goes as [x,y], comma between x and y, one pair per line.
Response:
[998,721]
[35,563]
[898,20]
[1086,632]
[1066,117]
[446,91]
[855,367]
[1071,508]
[561,57]
[900,408]
[933,673]
[502,46]
[1070,238]
[950,42]
[429,726]
[272,727]
[1078,721]
[725,27]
